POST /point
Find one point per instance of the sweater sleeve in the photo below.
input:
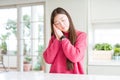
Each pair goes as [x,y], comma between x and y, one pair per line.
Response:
[50,53]
[76,52]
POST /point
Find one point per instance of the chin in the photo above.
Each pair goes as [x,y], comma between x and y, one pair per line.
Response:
[65,31]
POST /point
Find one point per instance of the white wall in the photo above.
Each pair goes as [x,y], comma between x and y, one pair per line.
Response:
[105,13]
[76,8]
[13,2]
[105,9]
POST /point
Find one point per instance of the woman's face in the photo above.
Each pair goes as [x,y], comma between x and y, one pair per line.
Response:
[61,22]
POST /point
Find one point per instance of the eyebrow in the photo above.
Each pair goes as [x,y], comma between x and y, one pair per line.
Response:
[60,19]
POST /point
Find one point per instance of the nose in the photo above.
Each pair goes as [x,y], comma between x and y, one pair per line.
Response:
[61,23]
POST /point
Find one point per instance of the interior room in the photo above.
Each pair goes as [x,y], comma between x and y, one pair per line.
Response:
[25,31]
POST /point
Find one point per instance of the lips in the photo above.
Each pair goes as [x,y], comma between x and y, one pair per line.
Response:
[63,27]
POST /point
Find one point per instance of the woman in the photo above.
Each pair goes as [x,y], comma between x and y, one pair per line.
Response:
[67,46]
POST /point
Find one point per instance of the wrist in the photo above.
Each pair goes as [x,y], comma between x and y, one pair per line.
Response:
[62,37]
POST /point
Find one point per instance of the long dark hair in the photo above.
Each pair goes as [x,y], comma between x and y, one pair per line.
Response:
[72,32]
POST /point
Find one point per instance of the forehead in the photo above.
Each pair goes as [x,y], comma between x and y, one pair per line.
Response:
[59,16]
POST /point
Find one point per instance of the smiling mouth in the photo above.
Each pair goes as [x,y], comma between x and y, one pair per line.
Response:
[63,27]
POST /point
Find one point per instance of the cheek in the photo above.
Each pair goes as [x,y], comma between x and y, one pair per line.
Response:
[67,24]
[58,27]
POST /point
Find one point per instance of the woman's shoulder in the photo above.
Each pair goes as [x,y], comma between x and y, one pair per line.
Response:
[53,37]
[80,33]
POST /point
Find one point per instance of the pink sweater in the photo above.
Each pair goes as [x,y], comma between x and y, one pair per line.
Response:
[58,51]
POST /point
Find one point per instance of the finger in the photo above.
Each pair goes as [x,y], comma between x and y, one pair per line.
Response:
[54,28]
[55,31]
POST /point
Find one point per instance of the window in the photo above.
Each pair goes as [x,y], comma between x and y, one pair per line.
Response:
[8,39]
[106,32]
[103,32]
[33,33]
[22,34]
[8,30]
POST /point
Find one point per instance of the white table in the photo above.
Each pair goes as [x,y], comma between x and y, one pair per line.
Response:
[47,76]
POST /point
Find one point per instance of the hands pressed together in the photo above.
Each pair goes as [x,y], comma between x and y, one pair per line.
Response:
[58,32]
